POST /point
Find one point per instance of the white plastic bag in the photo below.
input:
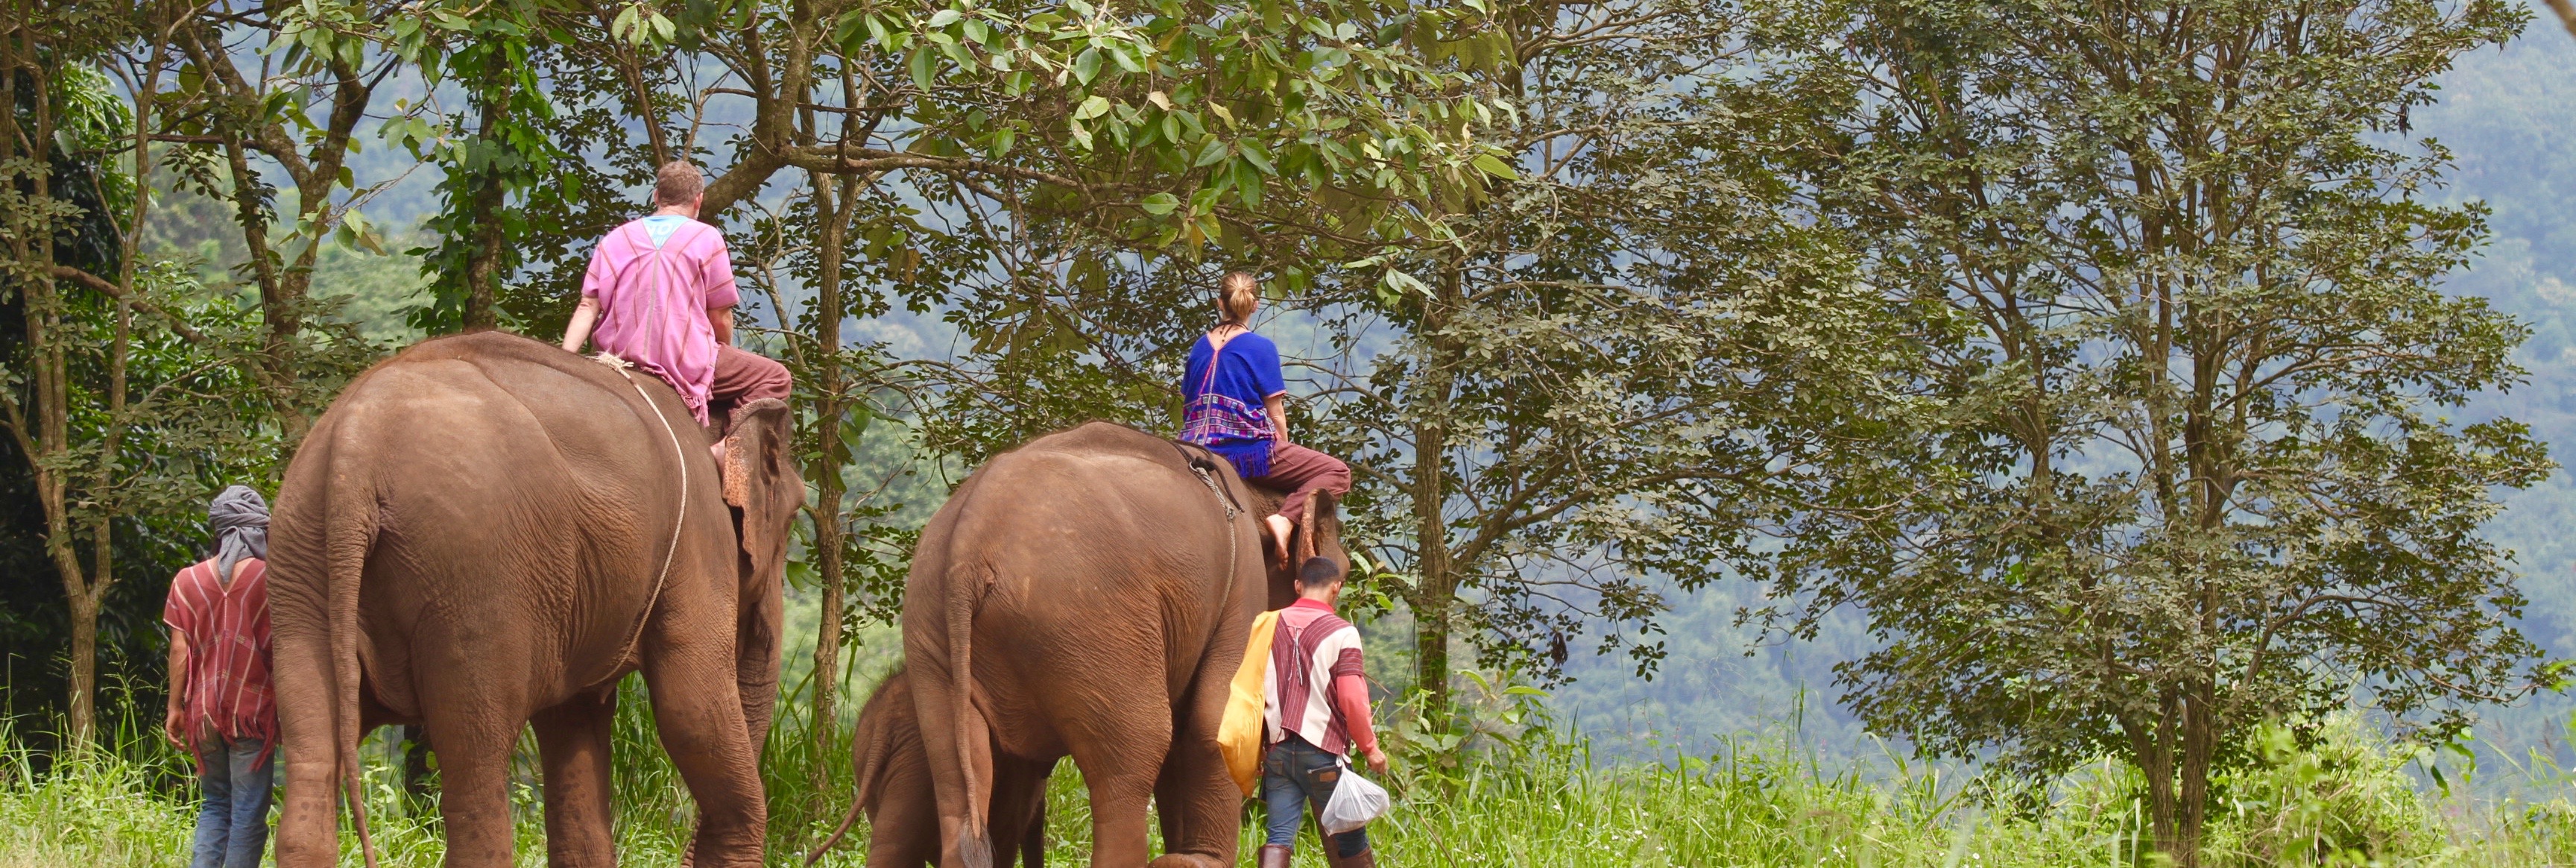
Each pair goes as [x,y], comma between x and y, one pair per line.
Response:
[1356,801]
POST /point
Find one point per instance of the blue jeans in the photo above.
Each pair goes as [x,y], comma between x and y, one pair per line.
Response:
[232,830]
[1295,774]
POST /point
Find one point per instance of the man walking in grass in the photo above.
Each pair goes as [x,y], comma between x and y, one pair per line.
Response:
[223,707]
[1316,710]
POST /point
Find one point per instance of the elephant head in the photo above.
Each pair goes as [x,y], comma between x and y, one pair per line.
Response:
[765,489]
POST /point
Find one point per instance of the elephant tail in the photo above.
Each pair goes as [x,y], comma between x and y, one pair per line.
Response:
[973,851]
[834,840]
[347,539]
[866,762]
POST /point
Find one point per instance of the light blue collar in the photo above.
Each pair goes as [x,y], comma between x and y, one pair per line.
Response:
[660,226]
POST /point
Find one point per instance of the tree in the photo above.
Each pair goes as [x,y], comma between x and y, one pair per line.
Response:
[2188,470]
[235,126]
[1626,366]
[120,427]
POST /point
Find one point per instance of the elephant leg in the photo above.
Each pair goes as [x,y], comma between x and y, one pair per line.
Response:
[308,831]
[474,785]
[1201,808]
[700,718]
[1019,810]
[573,742]
[1121,766]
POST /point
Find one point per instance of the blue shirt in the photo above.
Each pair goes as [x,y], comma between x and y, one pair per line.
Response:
[1222,396]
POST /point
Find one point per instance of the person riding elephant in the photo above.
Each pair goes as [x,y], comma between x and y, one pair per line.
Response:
[1112,577]
[660,294]
[892,774]
[485,533]
[1234,402]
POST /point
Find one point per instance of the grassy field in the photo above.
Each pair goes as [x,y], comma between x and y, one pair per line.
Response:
[1542,801]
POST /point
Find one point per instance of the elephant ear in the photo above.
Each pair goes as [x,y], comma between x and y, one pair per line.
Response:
[762,481]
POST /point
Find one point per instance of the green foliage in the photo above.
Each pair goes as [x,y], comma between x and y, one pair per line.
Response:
[2188,465]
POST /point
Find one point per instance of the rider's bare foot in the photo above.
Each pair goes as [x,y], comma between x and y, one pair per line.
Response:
[718,450]
[1280,528]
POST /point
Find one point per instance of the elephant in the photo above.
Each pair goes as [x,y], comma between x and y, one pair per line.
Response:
[485,532]
[894,790]
[1112,577]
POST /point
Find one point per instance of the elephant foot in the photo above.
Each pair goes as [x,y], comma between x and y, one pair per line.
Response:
[1187,860]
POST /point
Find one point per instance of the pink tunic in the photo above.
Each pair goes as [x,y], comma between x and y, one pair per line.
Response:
[228,688]
[655,279]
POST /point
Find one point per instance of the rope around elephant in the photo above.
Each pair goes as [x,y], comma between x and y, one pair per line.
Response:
[624,368]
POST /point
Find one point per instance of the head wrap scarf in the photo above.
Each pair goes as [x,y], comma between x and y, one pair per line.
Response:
[239,520]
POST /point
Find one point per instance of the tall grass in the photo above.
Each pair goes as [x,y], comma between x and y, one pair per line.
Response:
[1537,798]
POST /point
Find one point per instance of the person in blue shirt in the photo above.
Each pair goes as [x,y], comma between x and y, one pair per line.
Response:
[1234,403]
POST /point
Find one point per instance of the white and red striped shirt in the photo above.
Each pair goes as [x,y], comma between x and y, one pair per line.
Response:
[228,692]
[1314,686]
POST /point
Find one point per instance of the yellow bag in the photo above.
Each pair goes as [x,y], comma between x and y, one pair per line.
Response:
[1238,734]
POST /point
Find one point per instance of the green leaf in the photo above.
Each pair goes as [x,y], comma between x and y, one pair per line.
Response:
[1086,65]
[1091,108]
[1214,151]
[944,17]
[1489,164]
[1160,204]
[922,65]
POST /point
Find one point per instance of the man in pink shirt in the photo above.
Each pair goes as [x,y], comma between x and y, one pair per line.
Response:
[1315,715]
[660,293]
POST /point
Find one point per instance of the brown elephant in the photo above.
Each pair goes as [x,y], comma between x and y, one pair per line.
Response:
[894,791]
[1111,589]
[486,532]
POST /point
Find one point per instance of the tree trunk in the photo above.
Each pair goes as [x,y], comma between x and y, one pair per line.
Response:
[483,260]
[834,213]
[84,698]
[1437,585]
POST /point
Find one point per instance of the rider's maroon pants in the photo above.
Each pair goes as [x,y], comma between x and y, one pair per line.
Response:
[1299,471]
[743,376]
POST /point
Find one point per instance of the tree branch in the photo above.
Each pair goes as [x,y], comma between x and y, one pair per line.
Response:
[111,290]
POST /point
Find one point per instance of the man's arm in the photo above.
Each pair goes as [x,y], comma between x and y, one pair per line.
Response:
[170,722]
[577,332]
[1350,692]
[721,318]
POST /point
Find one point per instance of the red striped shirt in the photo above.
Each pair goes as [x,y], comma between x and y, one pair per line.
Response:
[228,692]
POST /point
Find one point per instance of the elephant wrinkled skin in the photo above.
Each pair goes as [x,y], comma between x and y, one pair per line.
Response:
[485,532]
[1075,597]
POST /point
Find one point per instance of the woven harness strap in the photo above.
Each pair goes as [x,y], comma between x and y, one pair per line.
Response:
[1203,467]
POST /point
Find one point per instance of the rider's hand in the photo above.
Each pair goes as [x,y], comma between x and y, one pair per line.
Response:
[1377,760]
[170,728]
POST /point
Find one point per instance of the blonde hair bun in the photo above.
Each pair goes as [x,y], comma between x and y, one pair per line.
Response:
[1237,293]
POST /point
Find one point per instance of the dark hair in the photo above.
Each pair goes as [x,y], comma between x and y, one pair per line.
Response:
[1318,572]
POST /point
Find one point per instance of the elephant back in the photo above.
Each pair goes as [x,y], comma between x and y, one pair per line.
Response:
[524,506]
